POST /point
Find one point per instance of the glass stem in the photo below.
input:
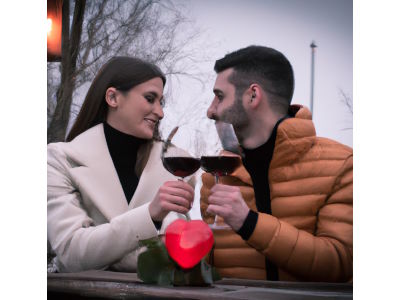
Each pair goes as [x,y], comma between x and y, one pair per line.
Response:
[188,218]
[216,178]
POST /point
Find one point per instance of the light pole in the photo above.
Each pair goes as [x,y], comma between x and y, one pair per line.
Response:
[312,46]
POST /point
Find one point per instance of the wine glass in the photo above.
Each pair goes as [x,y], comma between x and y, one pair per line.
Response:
[178,162]
[222,165]
[219,166]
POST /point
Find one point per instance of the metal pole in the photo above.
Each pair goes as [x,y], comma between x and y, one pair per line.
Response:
[312,46]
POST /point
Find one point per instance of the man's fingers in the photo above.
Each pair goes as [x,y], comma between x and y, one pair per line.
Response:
[229,197]
[225,194]
[217,200]
[224,188]
[217,210]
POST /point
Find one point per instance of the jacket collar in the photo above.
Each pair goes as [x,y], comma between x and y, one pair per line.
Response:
[95,174]
[295,136]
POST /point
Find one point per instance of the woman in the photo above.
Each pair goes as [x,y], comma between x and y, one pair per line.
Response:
[107,188]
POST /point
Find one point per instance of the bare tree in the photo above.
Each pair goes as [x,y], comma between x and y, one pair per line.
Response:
[69,54]
[52,83]
[155,30]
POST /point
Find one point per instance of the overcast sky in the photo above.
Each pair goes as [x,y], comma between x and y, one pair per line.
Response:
[289,26]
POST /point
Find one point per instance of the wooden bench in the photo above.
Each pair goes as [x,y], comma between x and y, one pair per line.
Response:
[116,285]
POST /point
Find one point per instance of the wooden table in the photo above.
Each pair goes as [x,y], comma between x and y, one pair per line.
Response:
[116,285]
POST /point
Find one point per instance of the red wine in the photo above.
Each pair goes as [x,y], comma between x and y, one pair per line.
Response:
[219,165]
[181,166]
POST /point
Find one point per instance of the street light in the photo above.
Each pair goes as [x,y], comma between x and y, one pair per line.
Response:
[54,18]
[312,46]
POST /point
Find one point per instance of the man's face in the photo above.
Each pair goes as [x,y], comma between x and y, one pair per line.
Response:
[226,106]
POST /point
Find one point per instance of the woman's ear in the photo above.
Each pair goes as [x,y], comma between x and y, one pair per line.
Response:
[111,97]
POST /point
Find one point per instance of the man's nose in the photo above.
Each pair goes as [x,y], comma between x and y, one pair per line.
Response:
[211,110]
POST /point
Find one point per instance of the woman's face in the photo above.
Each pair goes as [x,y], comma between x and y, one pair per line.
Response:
[137,111]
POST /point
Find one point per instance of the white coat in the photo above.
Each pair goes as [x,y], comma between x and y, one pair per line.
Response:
[89,222]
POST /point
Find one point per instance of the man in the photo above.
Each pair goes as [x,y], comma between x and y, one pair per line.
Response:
[297,224]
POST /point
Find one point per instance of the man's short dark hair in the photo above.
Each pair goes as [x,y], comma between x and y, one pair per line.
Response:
[265,66]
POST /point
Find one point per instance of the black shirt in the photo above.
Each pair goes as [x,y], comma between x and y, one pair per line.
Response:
[257,162]
[123,149]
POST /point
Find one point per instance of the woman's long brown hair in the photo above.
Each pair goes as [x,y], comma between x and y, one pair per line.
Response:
[122,73]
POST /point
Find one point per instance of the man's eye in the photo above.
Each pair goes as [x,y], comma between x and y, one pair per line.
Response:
[220,98]
[162,102]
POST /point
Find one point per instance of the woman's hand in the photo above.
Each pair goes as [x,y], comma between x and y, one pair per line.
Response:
[174,196]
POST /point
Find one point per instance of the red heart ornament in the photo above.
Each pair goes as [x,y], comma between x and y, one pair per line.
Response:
[187,242]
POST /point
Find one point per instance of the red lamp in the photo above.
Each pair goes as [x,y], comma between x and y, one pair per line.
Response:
[187,242]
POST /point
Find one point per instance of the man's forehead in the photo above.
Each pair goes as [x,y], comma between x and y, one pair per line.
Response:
[222,79]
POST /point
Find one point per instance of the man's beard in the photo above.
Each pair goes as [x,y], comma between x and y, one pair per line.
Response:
[235,115]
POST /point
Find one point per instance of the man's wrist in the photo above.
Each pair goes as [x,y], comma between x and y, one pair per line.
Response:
[249,225]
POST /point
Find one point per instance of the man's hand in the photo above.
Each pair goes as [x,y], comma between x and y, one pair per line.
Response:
[175,196]
[227,201]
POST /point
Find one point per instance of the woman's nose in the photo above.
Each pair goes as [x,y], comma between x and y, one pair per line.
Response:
[158,110]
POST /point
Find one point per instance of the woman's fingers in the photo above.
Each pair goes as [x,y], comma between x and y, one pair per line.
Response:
[169,206]
[175,196]
[180,185]
[179,189]
[177,200]
[177,192]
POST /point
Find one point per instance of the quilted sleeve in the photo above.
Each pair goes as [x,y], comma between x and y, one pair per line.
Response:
[326,255]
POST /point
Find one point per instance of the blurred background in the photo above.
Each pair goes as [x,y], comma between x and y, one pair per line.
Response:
[185,37]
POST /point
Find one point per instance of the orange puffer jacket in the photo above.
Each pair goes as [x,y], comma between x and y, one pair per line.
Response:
[309,235]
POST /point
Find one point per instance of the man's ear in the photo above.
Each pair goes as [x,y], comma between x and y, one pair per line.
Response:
[255,95]
[111,97]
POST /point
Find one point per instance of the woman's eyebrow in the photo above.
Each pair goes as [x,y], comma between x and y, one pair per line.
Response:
[155,94]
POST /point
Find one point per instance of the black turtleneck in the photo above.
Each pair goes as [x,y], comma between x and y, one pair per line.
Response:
[123,149]
[257,162]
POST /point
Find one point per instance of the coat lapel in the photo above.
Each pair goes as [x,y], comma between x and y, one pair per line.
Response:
[94,173]
[151,179]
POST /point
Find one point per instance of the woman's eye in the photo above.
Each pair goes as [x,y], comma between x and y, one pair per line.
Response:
[150,99]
